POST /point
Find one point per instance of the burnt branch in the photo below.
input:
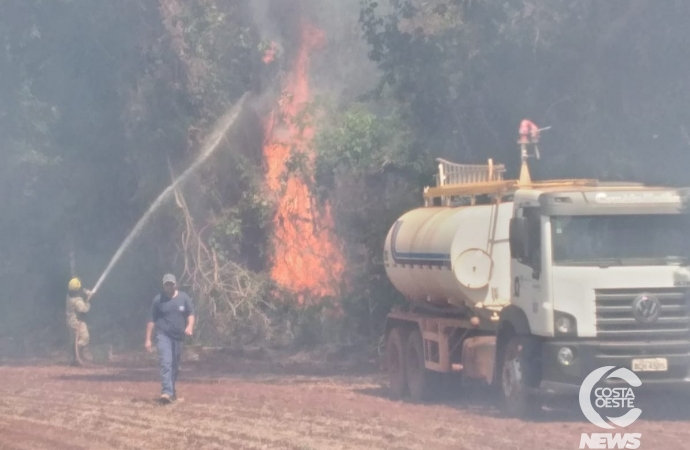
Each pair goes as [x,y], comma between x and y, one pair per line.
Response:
[231,300]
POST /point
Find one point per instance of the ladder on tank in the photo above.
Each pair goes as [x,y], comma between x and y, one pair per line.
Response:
[466,180]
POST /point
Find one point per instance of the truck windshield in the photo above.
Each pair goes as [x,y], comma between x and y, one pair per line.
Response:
[620,240]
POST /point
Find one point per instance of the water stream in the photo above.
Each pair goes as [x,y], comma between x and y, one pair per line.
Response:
[210,146]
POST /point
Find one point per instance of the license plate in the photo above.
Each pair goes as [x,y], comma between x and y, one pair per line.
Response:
[650,365]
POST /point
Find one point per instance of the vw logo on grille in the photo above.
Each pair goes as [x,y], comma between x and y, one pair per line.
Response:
[646,308]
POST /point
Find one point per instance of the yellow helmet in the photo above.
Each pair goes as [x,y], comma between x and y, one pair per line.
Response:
[74,284]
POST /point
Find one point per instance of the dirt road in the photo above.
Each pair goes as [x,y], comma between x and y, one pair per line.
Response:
[254,405]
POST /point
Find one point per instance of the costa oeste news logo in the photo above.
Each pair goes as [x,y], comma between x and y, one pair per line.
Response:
[609,398]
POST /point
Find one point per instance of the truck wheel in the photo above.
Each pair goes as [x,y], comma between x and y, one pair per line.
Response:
[395,363]
[417,375]
[519,401]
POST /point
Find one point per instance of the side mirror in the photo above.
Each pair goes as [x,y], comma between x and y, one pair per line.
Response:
[518,238]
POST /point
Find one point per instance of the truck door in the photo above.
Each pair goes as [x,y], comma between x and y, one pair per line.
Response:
[527,273]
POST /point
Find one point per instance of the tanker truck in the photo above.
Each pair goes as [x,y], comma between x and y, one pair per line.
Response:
[528,286]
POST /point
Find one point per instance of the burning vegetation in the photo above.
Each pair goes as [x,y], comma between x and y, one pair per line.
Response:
[306,259]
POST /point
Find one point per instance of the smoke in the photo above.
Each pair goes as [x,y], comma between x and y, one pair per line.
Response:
[341,70]
[211,145]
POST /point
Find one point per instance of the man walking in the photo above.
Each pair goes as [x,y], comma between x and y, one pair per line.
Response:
[172,316]
[78,304]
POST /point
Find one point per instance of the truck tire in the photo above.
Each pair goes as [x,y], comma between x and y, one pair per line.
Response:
[516,381]
[395,363]
[418,378]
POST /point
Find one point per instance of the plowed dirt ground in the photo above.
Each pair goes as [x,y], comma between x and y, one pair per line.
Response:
[233,404]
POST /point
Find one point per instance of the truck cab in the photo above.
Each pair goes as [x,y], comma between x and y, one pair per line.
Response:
[600,278]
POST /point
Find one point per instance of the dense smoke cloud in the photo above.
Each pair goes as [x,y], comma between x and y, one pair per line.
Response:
[341,69]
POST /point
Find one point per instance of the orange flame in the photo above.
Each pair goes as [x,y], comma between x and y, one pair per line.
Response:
[305,260]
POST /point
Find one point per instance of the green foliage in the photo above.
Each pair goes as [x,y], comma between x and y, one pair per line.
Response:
[315,324]
[226,236]
[362,144]
[220,51]
[369,171]
[229,233]
[470,71]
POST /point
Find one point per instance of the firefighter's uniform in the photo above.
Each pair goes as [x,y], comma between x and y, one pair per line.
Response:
[78,304]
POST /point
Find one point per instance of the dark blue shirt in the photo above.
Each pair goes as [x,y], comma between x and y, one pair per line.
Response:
[170,314]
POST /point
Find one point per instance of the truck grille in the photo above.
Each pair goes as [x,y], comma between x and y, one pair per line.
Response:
[616,319]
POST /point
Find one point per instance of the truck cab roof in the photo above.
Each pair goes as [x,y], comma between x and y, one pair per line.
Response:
[605,198]
[465,184]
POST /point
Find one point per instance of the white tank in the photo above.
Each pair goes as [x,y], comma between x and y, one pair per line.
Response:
[455,255]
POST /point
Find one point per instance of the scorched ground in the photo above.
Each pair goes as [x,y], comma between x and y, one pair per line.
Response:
[289,404]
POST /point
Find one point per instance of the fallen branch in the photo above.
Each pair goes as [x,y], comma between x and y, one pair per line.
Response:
[228,296]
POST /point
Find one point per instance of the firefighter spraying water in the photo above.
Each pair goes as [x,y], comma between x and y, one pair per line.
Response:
[79,299]
[77,305]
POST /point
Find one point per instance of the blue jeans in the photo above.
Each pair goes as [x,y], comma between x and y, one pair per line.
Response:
[169,353]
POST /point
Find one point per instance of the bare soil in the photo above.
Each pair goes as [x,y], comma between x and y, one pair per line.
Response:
[229,402]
